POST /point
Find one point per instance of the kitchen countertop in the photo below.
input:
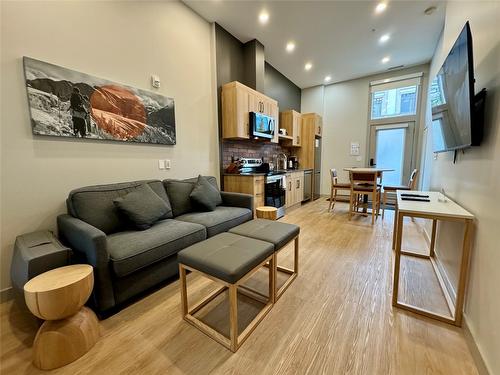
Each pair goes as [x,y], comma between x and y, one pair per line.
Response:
[263,174]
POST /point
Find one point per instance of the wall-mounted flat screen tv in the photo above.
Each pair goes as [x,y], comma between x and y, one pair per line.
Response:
[452,98]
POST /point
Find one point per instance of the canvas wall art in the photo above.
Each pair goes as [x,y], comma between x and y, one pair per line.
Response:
[66,103]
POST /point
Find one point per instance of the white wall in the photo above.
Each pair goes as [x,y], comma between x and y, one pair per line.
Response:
[125,42]
[474,181]
[344,107]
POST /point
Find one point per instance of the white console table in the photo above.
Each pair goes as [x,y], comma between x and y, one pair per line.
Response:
[435,211]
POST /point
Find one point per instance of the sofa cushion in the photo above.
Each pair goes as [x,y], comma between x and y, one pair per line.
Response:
[94,204]
[220,220]
[143,207]
[205,195]
[178,193]
[130,251]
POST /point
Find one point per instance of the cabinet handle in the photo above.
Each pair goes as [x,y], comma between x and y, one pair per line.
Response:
[298,184]
[290,186]
[298,139]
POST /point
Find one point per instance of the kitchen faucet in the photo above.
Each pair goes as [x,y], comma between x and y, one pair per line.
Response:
[281,156]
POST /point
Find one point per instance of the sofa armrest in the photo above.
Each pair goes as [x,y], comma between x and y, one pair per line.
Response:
[91,243]
[84,238]
[237,200]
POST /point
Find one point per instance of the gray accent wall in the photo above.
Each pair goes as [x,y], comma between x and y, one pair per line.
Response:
[280,88]
[229,55]
[254,59]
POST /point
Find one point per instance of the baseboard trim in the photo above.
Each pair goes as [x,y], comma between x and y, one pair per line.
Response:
[482,369]
[6,294]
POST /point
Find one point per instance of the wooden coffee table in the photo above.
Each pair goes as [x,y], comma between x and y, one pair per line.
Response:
[69,330]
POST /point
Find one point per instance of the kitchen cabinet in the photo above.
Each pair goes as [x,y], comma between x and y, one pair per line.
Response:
[294,188]
[292,121]
[309,154]
[238,101]
[315,121]
[253,185]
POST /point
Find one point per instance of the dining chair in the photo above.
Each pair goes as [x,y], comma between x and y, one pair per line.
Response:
[364,184]
[412,183]
[336,185]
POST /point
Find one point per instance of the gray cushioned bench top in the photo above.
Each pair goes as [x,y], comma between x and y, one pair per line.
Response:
[275,232]
[226,256]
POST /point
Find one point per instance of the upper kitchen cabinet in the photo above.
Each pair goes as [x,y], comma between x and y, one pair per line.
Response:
[315,121]
[292,121]
[238,101]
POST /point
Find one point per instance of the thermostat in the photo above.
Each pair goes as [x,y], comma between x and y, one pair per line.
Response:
[155,81]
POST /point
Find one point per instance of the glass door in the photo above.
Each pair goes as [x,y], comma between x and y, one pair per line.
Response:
[391,146]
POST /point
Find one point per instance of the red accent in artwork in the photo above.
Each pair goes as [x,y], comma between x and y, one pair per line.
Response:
[118,111]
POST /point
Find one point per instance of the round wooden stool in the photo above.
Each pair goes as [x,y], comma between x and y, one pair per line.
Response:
[267,212]
[69,331]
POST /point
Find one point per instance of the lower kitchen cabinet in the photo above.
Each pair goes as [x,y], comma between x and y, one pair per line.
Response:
[253,185]
[294,188]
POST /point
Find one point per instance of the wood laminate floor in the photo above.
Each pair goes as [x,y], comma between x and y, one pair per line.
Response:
[336,318]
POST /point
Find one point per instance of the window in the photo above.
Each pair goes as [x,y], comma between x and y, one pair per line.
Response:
[436,94]
[393,102]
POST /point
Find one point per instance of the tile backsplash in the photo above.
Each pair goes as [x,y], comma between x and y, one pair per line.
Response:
[250,149]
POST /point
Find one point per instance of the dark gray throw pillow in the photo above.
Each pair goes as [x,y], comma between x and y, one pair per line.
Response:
[178,194]
[143,207]
[205,195]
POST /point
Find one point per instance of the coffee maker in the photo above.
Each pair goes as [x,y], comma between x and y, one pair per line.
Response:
[293,162]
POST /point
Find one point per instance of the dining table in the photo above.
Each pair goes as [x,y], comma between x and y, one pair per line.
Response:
[379,171]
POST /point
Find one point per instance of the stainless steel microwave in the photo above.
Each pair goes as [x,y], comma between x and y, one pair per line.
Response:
[261,125]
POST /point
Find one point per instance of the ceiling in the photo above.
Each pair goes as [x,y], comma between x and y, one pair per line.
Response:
[339,38]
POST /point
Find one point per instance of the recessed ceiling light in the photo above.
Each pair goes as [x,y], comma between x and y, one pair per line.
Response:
[290,46]
[263,17]
[308,66]
[328,78]
[386,59]
[384,38]
[380,7]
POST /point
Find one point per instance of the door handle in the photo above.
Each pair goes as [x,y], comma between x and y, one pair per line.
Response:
[372,162]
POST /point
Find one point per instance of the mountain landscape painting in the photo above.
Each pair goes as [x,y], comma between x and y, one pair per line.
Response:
[66,103]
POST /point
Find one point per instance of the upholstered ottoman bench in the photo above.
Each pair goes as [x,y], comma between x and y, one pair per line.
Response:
[228,259]
[280,235]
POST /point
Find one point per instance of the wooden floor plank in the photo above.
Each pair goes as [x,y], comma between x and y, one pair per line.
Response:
[335,318]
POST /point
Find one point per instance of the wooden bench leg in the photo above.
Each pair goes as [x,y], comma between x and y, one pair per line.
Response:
[184,301]
[233,317]
[292,272]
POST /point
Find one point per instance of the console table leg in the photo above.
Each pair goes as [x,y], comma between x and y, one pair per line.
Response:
[397,260]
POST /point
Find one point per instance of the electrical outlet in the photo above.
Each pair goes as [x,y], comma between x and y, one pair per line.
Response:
[161,164]
[168,164]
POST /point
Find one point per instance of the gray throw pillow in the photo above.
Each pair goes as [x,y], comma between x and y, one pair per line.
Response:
[178,194]
[205,195]
[143,207]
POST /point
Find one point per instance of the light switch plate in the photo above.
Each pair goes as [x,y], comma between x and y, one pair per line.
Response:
[354,148]
[161,164]
[168,164]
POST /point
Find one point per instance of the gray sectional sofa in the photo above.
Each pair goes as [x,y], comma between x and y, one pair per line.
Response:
[127,261]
